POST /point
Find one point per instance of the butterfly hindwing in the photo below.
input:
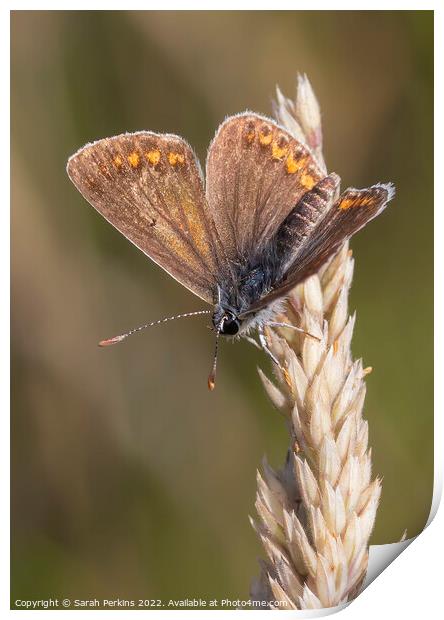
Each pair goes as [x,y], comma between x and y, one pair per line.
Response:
[349,213]
[149,187]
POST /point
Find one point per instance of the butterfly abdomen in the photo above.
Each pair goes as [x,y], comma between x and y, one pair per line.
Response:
[300,222]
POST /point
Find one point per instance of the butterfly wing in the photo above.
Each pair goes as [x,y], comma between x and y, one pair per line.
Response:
[350,213]
[256,174]
[149,187]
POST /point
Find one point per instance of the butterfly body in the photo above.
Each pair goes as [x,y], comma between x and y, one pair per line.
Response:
[251,282]
[264,219]
[267,271]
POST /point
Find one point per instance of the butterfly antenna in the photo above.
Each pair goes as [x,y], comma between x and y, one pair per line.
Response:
[116,339]
[212,375]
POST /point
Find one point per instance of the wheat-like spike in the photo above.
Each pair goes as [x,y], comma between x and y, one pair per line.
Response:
[316,514]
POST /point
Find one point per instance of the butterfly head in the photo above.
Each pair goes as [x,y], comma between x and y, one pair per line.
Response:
[226,321]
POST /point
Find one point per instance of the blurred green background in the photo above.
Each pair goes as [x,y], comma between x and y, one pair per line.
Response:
[129,478]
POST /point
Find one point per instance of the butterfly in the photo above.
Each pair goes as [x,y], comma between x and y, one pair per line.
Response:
[264,218]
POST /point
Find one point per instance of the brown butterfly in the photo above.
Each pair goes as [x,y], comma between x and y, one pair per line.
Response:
[266,219]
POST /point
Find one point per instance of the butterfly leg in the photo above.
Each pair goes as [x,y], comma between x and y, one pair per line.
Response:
[264,345]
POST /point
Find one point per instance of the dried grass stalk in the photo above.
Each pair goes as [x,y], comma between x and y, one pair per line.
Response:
[315,516]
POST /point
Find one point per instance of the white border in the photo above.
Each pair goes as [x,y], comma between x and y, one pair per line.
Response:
[410,586]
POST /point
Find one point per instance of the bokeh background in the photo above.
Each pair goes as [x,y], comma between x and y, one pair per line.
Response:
[129,478]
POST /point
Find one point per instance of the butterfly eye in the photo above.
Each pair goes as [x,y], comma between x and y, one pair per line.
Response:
[230,325]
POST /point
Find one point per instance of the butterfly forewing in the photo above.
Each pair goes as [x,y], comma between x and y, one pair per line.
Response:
[150,188]
[256,173]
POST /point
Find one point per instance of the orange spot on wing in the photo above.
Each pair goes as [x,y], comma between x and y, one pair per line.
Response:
[293,165]
[357,201]
[265,138]
[117,161]
[307,181]
[250,136]
[346,203]
[134,159]
[175,158]
[278,152]
[153,157]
